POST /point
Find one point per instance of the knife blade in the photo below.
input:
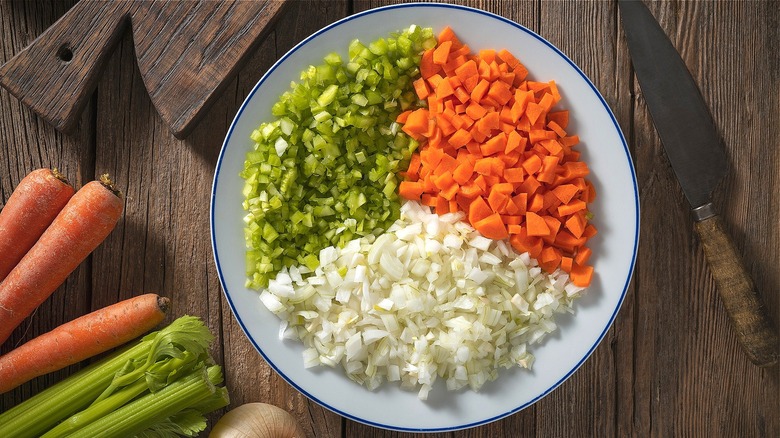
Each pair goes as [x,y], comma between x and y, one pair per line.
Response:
[693,146]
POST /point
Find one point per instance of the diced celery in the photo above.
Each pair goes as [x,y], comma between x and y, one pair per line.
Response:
[331,155]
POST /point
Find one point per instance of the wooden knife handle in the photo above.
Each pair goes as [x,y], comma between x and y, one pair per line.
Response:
[57,72]
[738,292]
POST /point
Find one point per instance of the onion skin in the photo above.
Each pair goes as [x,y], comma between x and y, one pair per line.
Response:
[257,420]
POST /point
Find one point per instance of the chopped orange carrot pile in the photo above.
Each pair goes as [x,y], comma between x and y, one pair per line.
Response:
[494,148]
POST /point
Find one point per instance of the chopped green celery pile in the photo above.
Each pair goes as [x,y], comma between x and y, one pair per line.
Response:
[161,386]
[324,171]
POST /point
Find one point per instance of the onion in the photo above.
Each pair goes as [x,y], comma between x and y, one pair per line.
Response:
[257,420]
[430,298]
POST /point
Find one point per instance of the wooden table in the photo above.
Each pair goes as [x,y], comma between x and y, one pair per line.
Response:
[669,366]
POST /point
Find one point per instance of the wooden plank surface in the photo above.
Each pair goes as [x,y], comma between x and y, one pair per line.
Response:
[670,365]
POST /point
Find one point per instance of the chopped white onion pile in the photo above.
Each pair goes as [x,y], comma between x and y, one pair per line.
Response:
[429,298]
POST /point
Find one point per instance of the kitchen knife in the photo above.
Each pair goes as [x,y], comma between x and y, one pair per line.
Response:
[694,148]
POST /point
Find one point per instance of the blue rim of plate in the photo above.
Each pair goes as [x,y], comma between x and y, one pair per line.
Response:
[445,6]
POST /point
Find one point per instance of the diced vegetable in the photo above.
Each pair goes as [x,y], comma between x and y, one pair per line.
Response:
[430,298]
[514,170]
[325,171]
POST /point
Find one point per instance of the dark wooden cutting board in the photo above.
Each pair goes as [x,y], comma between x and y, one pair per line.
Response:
[186,51]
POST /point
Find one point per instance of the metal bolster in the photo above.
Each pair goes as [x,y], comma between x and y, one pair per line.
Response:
[706,211]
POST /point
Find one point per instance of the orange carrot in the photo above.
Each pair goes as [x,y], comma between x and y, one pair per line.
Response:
[492,227]
[493,145]
[78,229]
[37,200]
[82,338]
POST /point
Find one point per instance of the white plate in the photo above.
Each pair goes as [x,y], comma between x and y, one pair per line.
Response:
[616,212]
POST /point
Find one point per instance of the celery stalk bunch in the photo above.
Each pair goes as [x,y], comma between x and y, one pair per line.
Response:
[161,386]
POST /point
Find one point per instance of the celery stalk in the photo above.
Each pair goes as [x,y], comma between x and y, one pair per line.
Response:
[151,409]
[185,336]
[36,415]
[118,399]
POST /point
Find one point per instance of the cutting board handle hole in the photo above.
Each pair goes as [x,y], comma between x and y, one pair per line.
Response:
[65,54]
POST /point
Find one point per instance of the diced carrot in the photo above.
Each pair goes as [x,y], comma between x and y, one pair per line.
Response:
[403,116]
[500,92]
[460,138]
[427,67]
[580,275]
[444,89]
[575,225]
[487,55]
[480,90]
[534,111]
[462,95]
[463,172]
[447,34]
[416,122]
[411,190]
[561,118]
[529,185]
[475,110]
[536,225]
[536,202]
[421,88]
[570,140]
[441,52]
[556,128]
[442,205]
[508,58]
[478,210]
[550,201]
[492,227]
[447,164]
[566,263]
[514,174]
[565,192]
[547,102]
[571,207]
[532,164]
[521,201]
[497,200]
[467,70]
[583,254]
[492,147]
[495,145]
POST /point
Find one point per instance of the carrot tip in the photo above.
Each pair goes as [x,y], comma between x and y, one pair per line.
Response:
[59,175]
[164,303]
[105,179]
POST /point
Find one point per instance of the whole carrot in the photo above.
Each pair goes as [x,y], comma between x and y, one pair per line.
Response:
[34,204]
[83,223]
[82,338]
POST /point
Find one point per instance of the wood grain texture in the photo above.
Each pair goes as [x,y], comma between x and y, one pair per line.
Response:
[56,74]
[670,365]
[187,51]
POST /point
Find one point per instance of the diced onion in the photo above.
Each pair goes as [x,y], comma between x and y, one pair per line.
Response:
[431,298]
